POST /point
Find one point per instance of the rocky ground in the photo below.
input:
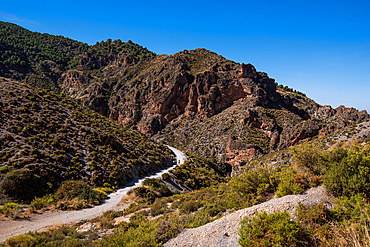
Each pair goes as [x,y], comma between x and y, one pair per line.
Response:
[224,231]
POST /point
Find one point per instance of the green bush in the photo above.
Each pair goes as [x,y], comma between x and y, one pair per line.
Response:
[348,171]
[152,189]
[145,193]
[287,185]
[64,236]
[101,194]
[10,209]
[250,187]
[22,185]
[144,235]
[158,207]
[352,208]
[269,230]
[39,203]
[133,208]
[74,204]
[4,169]
[314,221]
[158,187]
[72,189]
[139,217]
[309,155]
[197,219]
[106,220]
[166,177]
[21,241]
[189,207]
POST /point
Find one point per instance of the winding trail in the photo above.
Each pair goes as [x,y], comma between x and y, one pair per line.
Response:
[10,229]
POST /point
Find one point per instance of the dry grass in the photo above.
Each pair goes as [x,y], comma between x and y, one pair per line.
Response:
[127,199]
[55,226]
[349,235]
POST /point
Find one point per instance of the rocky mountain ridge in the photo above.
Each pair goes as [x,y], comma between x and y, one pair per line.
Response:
[176,98]
[195,100]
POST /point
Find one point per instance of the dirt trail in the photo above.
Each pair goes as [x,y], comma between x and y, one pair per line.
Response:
[42,222]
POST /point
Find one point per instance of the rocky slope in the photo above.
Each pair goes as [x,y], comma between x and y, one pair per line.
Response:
[46,139]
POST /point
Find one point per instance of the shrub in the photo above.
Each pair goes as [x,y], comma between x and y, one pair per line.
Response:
[133,208]
[170,225]
[145,234]
[74,204]
[10,209]
[314,221]
[348,172]
[309,156]
[287,185]
[159,207]
[250,187]
[153,189]
[39,203]
[4,169]
[22,185]
[71,189]
[189,207]
[157,186]
[145,193]
[139,217]
[101,194]
[269,230]
[21,240]
[166,177]
[352,208]
[106,220]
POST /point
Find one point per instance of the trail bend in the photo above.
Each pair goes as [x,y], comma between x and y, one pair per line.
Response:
[41,222]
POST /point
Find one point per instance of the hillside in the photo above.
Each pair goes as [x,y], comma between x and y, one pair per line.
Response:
[47,138]
[44,59]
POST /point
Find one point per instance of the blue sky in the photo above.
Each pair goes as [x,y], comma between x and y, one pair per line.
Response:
[321,48]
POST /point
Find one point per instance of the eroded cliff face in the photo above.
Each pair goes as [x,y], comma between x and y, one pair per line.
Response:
[176,85]
[201,102]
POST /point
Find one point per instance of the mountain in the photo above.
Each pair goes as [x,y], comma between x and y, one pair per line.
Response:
[195,100]
[204,103]
[47,138]
[43,59]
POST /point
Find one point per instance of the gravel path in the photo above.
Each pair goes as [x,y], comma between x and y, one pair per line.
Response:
[224,231]
[42,222]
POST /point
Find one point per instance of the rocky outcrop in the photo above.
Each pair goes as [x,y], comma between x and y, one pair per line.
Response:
[72,80]
[237,152]
[258,87]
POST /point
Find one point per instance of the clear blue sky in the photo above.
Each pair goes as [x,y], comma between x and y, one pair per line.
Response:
[321,48]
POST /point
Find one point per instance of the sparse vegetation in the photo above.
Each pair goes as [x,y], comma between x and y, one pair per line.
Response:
[59,140]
